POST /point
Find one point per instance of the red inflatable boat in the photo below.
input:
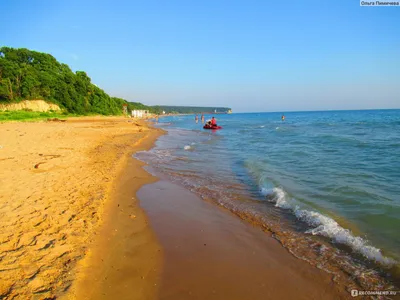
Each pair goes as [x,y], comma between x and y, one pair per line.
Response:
[212,127]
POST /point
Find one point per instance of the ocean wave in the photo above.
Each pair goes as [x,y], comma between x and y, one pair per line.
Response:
[159,156]
[325,226]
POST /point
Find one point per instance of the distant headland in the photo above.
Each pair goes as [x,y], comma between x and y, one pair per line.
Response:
[166,109]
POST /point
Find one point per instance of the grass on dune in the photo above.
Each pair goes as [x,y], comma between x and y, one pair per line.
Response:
[23,115]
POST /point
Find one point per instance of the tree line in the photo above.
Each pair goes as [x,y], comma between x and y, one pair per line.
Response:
[28,75]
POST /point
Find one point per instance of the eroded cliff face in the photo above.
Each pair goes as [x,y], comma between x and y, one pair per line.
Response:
[34,105]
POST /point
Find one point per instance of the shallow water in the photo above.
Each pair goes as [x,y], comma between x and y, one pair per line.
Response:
[318,180]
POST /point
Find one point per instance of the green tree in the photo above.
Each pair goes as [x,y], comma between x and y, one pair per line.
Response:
[27,74]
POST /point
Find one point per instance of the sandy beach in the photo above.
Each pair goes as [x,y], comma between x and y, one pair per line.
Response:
[81,219]
[56,179]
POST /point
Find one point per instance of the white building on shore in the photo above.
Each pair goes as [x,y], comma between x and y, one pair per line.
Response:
[137,113]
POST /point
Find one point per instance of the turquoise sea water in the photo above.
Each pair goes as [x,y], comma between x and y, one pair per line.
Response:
[318,179]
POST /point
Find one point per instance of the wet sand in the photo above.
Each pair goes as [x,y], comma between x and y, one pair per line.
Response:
[211,254]
[125,258]
[55,184]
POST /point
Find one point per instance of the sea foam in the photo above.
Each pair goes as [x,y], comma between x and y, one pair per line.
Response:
[325,226]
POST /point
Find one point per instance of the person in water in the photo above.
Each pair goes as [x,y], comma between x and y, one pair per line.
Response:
[196,118]
[212,122]
[202,118]
[283,117]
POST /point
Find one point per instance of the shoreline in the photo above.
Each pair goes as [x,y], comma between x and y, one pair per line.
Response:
[125,233]
[188,168]
[56,182]
[223,256]
[125,252]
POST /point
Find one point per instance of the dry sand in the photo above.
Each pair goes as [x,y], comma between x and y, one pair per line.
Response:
[55,180]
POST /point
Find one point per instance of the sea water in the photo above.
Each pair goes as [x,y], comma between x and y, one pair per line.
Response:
[326,184]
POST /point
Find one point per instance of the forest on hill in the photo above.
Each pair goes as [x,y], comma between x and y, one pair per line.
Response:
[27,75]
[32,75]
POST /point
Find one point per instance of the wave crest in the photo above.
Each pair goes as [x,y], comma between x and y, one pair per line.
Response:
[325,226]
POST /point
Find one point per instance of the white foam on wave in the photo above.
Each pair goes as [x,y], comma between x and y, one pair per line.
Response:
[325,226]
[187,147]
[155,156]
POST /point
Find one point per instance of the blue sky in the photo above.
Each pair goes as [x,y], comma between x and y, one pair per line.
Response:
[248,55]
